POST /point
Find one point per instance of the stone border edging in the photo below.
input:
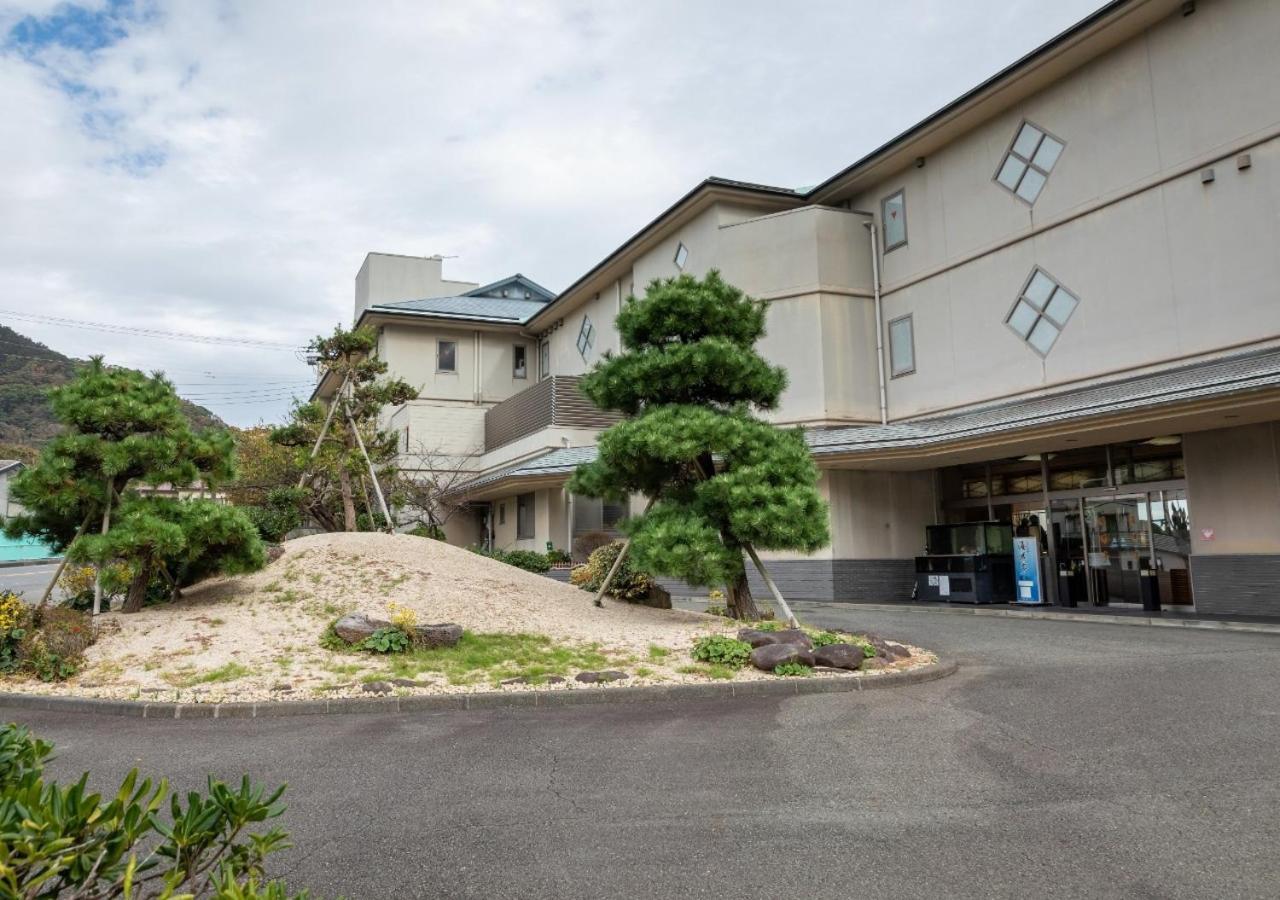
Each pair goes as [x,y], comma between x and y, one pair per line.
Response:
[783,687]
[1044,615]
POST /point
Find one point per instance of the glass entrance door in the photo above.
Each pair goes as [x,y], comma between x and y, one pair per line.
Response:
[1118,547]
[1066,531]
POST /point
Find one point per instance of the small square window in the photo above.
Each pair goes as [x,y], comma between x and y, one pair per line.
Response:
[446,356]
[1041,311]
[902,348]
[519,368]
[1026,165]
[586,337]
[682,256]
[893,213]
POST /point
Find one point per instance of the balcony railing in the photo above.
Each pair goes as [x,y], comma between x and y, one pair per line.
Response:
[552,402]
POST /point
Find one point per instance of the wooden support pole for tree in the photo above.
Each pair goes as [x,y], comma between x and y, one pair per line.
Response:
[773,588]
[377,488]
[48,590]
[106,526]
[324,429]
[617,563]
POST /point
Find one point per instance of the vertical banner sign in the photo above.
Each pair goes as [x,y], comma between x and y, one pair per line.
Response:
[1026,570]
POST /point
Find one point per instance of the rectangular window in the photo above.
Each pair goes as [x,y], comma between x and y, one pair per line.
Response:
[502,514]
[519,368]
[902,347]
[544,359]
[524,517]
[406,439]
[893,213]
[446,356]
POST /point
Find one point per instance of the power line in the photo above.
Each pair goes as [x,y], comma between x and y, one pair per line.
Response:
[148,332]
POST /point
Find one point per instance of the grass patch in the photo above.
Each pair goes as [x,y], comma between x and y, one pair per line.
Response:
[708,670]
[186,678]
[495,657]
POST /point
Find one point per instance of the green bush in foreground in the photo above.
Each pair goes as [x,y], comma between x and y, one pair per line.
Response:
[387,640]
[722,650]
[792,669]
[529,560]
[60,841]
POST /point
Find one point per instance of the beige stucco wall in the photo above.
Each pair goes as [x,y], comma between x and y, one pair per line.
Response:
[879,515]
[548,519]
[1233,487]
[483,357]
[388,277]
[1173,271]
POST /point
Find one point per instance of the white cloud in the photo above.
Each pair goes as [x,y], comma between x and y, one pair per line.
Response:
[224,167]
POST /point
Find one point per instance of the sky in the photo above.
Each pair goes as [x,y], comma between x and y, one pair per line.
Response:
[221,168]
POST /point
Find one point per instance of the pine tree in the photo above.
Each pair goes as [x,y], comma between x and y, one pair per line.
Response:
[122,430]
[331,470]
[719,477]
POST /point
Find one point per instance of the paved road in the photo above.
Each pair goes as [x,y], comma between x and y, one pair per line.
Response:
[28,580]
[1065,760]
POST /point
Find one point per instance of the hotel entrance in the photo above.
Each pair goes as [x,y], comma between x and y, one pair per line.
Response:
[1114,522]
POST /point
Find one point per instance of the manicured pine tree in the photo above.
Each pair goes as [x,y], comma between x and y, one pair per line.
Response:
[720,478]
[328,446]
[124,429]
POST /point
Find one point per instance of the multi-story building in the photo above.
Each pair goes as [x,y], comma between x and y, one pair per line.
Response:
[1057,296]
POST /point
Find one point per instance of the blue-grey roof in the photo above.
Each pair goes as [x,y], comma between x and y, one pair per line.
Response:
[1222,377]
[482,304]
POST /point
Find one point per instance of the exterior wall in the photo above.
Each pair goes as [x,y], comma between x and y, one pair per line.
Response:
[602,310]
[484,363]
[1233,487]
[5,510]
[454,430]
[548,519]
[1171,271]
[387,277]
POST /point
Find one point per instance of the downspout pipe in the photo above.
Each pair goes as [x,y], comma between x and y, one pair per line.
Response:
[875,289]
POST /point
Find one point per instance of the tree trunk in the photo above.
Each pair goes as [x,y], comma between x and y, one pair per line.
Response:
[740,602]
[138,588]
[348,499]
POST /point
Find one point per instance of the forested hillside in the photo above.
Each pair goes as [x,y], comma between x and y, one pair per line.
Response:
[27,371]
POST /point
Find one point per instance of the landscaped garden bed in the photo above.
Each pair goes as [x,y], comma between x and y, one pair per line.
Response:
[271,635]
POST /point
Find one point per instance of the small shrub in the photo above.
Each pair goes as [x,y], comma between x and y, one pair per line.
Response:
[723,650]
[792,670]
[77,583]
[48,644]
[14,620]
[580,576]
[386,640]
[767,625]
[331,640]
[628,584]
[434,532]
[403,617]
[825,638]
[558,557]
[13,612]
[717,611]
[529,560]
[280,513]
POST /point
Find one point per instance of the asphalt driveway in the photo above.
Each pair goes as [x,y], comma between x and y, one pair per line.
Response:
[1064,760]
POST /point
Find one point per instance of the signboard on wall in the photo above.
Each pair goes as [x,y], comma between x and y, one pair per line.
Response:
[1026,570]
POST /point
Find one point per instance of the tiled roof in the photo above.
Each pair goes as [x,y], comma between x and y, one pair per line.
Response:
[1221,377]
[1204,379]
[487,309]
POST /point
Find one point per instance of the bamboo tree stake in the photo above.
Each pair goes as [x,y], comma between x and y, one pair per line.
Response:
[106,526]
[325,428]
[617,563]
[773,588]
[48,591]
[377,488]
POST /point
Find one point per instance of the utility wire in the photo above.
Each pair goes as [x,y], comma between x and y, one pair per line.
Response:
[148,332]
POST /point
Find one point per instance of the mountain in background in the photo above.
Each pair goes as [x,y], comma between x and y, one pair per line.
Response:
[27,371]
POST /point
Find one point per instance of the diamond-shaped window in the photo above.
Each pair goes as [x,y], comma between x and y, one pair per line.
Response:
[586,337]
[1041,311]
[1028,162]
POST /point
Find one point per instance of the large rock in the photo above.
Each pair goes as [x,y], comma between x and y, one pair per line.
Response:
[597,677]
[763,638]
[658,597]
[355,627]
[839,656]
[430,636]
[769,656]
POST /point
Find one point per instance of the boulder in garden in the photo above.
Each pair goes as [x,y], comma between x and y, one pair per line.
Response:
[769,656]
[758,638]
[445,634]
[839,656]
[355,627]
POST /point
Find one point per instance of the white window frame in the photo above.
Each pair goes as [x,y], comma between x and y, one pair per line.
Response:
[884,221]
[894,372]
[681,257]
[439,346]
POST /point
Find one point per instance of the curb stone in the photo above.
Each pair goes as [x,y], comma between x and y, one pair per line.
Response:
[782,687]
[1039,615]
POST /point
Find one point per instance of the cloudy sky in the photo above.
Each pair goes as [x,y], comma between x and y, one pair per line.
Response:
[220,168]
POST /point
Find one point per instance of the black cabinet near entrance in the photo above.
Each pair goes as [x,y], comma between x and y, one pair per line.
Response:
[968,563]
